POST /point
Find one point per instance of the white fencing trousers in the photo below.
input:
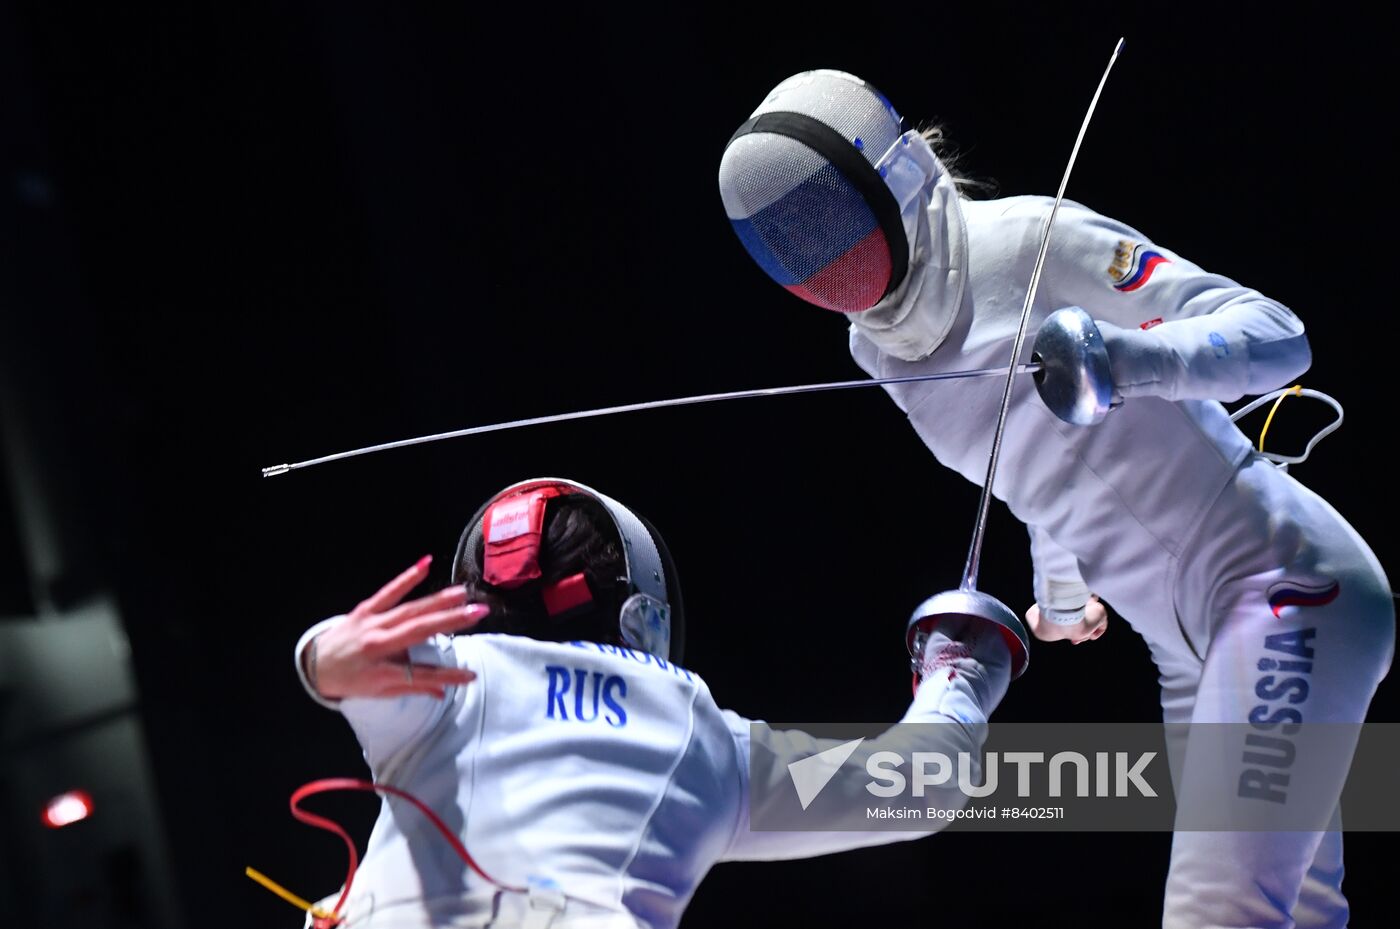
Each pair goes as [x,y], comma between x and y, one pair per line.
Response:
[1284,579]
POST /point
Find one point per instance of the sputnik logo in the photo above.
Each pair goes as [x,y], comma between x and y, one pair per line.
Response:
[811,775]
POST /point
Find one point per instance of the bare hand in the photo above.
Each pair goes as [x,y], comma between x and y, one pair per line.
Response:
[366,654]
[1092,626]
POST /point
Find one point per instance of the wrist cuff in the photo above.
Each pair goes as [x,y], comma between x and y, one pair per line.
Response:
[302,645]
[1062,617]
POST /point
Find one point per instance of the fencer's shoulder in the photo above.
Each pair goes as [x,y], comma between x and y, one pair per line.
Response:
[1006,207]
[503,650]
[739,726]
[1010,229]
[1031,209]
[479,644]
[508,644]
[506,656]
[1003,229]
[1006,232]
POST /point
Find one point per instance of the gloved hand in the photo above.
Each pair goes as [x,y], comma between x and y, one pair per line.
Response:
[971,649]
[1082,625]
[1138,359]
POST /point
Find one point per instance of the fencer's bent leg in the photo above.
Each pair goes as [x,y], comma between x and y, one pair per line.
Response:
[1283,578]
[1321,903]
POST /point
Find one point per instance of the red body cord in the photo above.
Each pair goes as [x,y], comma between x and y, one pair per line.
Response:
[349,783]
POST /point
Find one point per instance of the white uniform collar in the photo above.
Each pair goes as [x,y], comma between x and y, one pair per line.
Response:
[914,320]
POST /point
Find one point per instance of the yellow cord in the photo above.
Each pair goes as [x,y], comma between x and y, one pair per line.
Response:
[286,894]
[1294,390]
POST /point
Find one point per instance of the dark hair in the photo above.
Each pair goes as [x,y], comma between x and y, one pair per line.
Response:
[578,536]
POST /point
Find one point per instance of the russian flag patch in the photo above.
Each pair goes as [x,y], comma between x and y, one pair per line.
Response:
[1133,265]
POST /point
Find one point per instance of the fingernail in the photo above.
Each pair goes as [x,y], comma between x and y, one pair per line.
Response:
[456,590]
[476,609]
[423,562]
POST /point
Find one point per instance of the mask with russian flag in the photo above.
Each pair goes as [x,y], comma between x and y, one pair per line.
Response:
[822,186]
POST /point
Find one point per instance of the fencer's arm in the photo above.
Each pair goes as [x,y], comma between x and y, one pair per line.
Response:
[960,687]
[1055,578]
[1206,337]
[384,726]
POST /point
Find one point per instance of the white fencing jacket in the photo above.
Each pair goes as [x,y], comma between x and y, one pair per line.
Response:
[1111,508]
[599,772]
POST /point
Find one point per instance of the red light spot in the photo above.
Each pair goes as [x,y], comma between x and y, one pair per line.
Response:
[67,808]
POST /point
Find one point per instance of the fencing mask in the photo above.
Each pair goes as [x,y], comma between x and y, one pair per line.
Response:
[832,201]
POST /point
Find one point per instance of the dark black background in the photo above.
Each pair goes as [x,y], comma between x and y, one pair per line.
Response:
[265,232]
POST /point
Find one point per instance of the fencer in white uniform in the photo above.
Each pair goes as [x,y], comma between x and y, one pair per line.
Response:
[596,777]
[1229,568]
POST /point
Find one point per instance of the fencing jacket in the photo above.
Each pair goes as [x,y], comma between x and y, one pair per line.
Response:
[602,773]
[1111,508]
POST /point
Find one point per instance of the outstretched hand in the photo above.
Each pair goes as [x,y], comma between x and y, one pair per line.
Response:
[366,655]
[1090,627]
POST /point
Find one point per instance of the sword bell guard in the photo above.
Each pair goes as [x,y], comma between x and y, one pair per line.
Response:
[1075,380]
